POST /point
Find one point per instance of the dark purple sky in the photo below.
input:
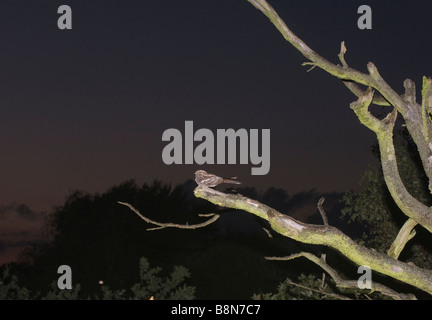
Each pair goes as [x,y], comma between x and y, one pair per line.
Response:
[86,108]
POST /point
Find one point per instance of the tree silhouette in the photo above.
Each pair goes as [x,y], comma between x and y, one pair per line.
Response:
[102,241]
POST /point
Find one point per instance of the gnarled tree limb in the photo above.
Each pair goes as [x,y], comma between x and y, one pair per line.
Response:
[384,131]
[409,110]
[322,235]
[342,283]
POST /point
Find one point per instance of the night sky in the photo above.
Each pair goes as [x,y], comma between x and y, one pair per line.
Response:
[86,108]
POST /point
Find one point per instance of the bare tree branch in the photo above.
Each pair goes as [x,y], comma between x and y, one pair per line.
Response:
[161,225]
[342,283]
[322,212]
[343,72]
[322,235]
[406,233]
[352,86]
[325,221]
[320,291]
[426,111]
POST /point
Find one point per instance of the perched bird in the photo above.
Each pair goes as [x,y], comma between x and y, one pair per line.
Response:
[212,180]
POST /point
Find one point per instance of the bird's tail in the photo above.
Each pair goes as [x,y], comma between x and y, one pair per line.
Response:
[232,180]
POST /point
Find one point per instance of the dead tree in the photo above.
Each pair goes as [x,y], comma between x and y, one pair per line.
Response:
[369,88]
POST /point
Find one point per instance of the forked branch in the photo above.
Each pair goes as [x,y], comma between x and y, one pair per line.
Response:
[416,116]
[161,225]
